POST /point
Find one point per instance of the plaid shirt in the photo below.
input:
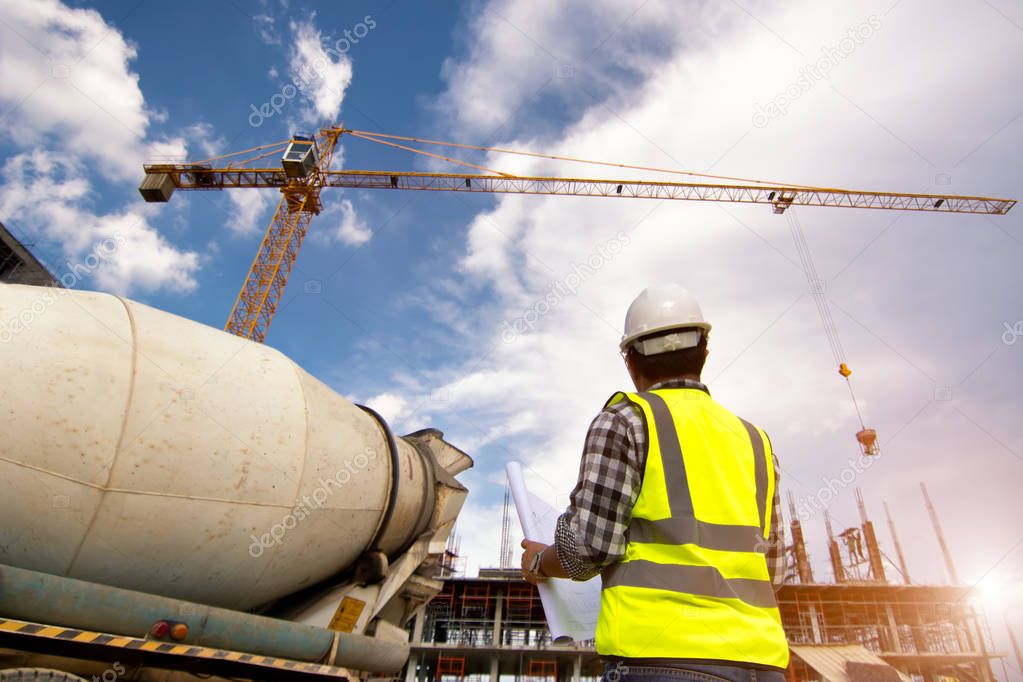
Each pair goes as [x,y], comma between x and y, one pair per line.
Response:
[591,534]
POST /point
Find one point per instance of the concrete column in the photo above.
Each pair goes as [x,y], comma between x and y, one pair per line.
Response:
[815,625]
[893,629]
[498,615]
[416,639]
[984,666]
[410,668]
[494,665]
[577,667]
[417,628]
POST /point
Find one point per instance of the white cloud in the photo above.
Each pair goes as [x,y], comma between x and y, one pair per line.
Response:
[914,310]
[477,532]
[191,142]
[524,51]
[392,407]
[265,28]
[352,229]
[323,73]
[204,138]
[51,198]
[73,109]
[65,73]
[250,207]
[167,150]
[144,261]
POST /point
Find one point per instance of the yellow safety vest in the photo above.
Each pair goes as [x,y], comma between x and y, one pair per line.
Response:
[694,582]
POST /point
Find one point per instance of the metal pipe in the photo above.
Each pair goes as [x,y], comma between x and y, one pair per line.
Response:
[799,544]
[1015,644]
[898,546]
[834,553]
[45,598]
[941,537]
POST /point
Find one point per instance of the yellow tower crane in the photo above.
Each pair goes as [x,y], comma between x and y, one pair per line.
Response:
[305,169]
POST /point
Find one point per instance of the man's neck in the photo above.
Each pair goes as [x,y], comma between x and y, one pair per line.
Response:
[646,384]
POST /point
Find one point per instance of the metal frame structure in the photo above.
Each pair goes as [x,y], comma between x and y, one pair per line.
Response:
[928,632]
[257,302]
[495,624]
[922,630]
[137,652]
[264,285]
[205,177]
[18,265]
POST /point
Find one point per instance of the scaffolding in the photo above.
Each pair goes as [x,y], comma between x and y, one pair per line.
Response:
[492,627]
[924,631]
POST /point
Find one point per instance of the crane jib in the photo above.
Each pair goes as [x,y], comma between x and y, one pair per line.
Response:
[306,169]
[208,178]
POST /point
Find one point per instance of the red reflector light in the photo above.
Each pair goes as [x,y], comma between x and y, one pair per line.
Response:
[160,629]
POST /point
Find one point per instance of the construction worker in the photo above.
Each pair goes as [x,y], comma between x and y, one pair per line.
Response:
[677,509]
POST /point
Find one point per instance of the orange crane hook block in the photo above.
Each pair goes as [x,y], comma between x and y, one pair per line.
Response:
[868,439]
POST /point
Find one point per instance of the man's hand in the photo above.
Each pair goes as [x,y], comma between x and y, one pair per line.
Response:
[531,549]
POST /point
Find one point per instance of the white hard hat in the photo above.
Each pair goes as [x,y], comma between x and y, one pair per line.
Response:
[662,308]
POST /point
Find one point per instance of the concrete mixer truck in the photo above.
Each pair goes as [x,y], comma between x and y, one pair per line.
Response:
[181,503]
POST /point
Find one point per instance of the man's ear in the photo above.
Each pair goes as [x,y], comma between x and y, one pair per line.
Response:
[630,363]
[631,367]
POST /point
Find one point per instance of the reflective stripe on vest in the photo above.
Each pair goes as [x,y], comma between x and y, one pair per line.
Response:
[689,588]
[705,580]
[683,527]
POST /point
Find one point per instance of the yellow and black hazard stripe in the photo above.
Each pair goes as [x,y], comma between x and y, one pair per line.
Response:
[48,638]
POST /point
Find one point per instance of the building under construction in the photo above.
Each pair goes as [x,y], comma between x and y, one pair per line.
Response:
[870,622]
[18,265]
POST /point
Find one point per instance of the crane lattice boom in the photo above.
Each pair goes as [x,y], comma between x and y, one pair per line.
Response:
[304,173]
[189,177]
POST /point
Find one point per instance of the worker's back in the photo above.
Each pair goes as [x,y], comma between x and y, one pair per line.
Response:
[694,582]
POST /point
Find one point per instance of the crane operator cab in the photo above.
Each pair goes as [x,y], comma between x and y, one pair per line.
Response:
[299,158]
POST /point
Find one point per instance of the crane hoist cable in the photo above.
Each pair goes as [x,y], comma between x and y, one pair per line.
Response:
[280,144]
[376,137]
[867,438]
[430,154]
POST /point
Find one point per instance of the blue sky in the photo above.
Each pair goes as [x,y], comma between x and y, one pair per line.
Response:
[417,290]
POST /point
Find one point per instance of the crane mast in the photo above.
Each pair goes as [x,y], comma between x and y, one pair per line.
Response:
[300,201]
